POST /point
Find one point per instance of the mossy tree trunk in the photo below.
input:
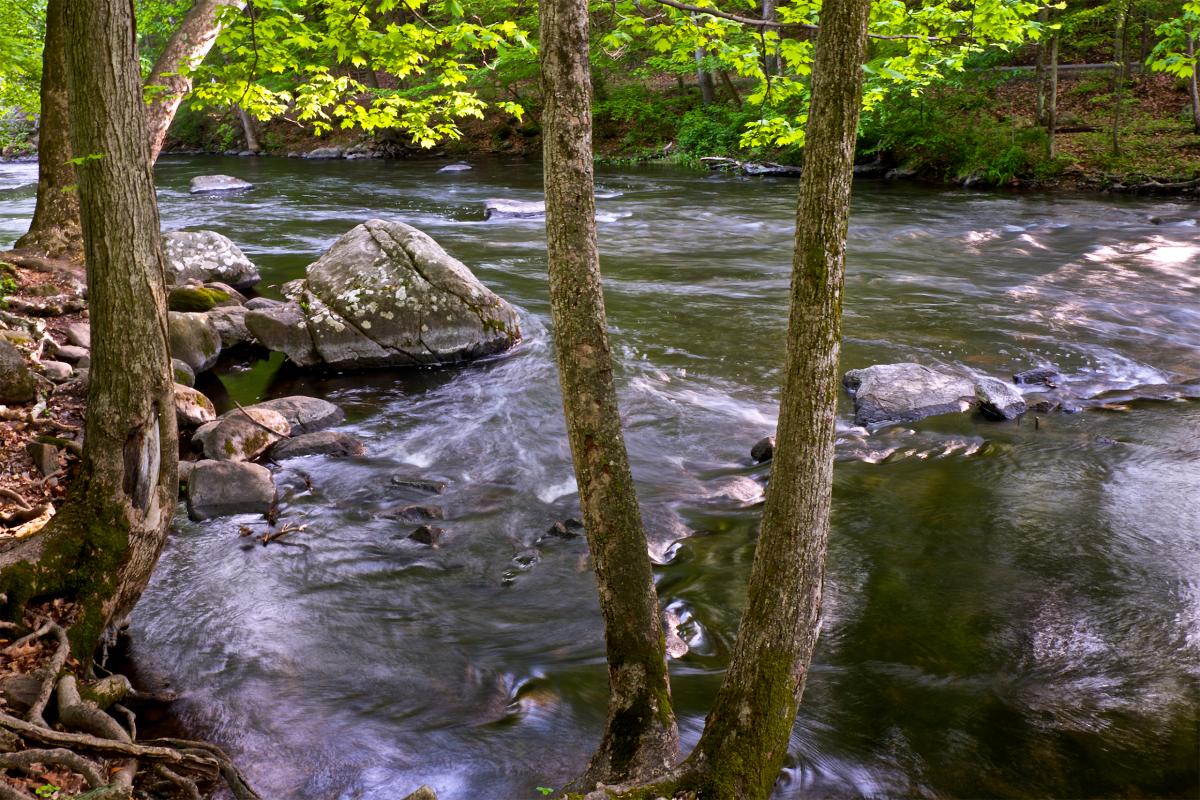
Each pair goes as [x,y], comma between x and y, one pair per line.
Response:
[746,734]
[170,80]
[55,230]
[640,738]
[100,548]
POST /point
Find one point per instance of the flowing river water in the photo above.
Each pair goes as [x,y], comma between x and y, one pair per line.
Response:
[1011,611]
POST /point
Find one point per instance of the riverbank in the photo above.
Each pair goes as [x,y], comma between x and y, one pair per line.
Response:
[980,135]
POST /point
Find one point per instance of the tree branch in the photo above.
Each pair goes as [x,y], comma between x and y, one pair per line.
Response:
[761,23]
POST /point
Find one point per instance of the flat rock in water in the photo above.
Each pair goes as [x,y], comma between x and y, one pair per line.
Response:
[206,256]
[526,209]
[192,408]
[193,340]
[906,392]
[325,153]
[386,294]
[242,436]
[455,168]
[304,414]
[322,443]
[209,184]
[999,400]
[17,383]
[223,488]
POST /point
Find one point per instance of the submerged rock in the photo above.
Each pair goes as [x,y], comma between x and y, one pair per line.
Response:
[428,534]
[209,184]
[17,383]
[999,400]
[906,392]
[206,256]
[222,488]
[1047,376]
[386,294]
[513,208]
[322,443]
[241,436]
[193,340]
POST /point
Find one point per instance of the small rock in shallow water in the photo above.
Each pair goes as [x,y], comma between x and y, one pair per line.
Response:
[208,184]
[763,450]
[455,168]
[999,400]
[427,534]
[412,513]
[304,414]
[325,153]
[513,208]
[420,484]
[906,392]
[206,256]
[321,443]
[566,529]
[222,488]
[424,793]
[1039,375]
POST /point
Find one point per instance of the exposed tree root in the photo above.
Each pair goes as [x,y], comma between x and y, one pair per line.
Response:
[94,744]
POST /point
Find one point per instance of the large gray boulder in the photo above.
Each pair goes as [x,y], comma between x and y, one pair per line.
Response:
[386,294]
[193,340]
[222,488]
[206,256]
[906,392]
[17,383]
[242,435]
[208,184]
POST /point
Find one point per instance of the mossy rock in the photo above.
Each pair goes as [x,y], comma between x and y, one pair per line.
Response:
[195,298]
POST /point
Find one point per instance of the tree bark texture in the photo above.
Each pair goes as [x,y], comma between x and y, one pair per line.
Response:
[248,131]
[102,545]
[1193,84]
[1052,101]
[170,79]
[708,92]
[746,735]
[640,737]
[1119,73]
[55,230]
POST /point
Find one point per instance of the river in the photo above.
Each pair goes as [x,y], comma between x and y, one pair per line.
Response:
[1012,610]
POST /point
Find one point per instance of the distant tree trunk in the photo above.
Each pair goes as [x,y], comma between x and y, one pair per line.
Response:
[746,735]
[100,548]
[1052,102]
[704,79]
[729,87]
[771,65]
[54,230]
[640,738]
[170,79]
[1193,88]
[1040,69]
[1119,74]
[248,131]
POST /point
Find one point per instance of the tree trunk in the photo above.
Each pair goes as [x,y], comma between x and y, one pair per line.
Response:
[1039,70]
[1119,76]
[55,227]
[100,548]
[640,738]
[704,79]
[746,735]
[248,131]
[729,87]
[1052,101]
[171,80]
[1193,88]
[771,61]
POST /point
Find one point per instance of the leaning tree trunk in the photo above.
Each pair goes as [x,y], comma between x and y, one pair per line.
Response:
[171,79]
[100,548]
[248,131]
[1119,74]
[1052,101]
[55,228]
[746,735]
[640,737]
